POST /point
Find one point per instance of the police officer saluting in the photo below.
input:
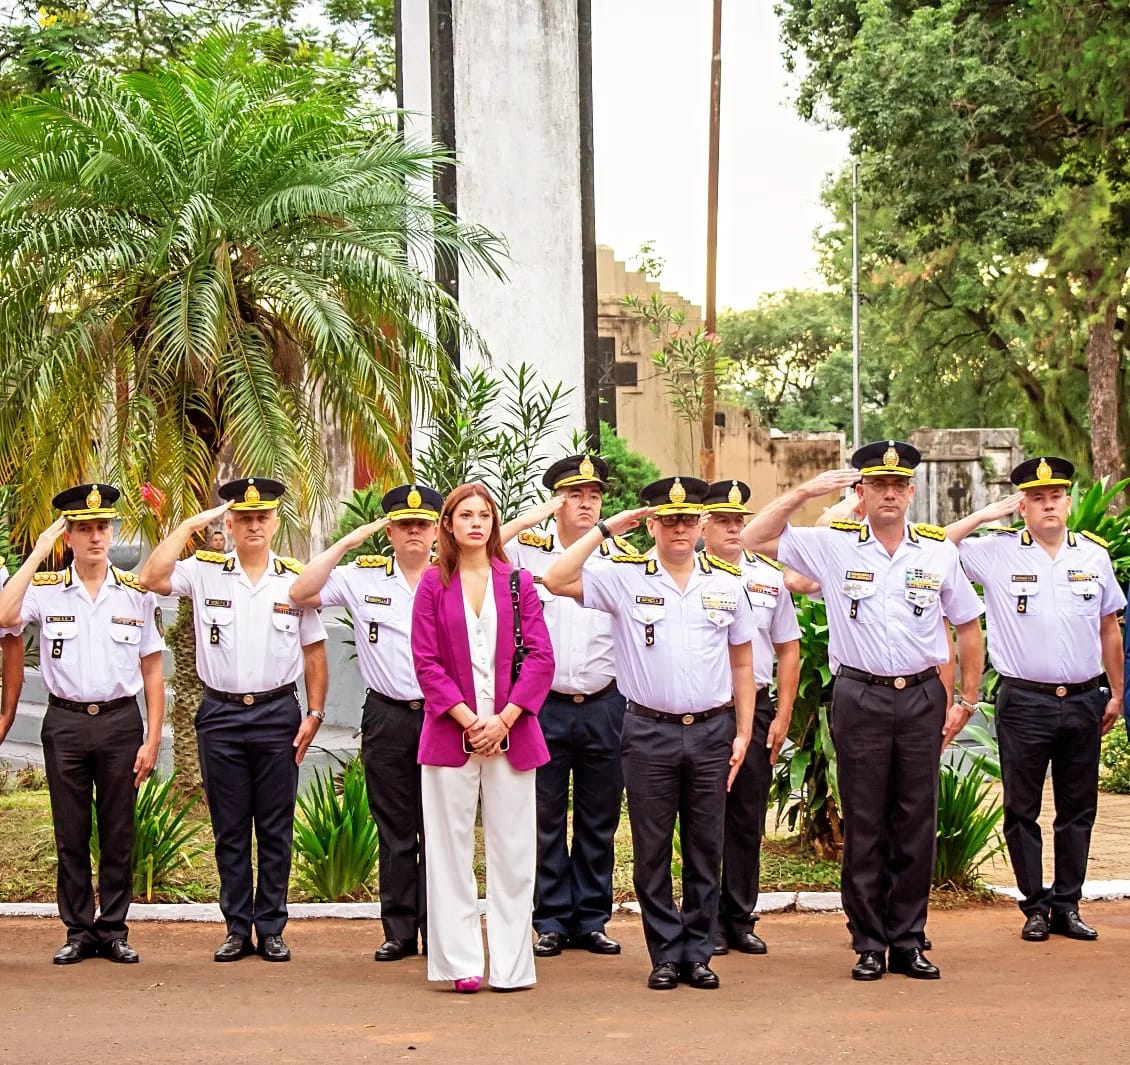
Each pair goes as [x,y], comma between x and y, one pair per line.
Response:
[582,720]
[379,593]
[887,586]
[777,635]
[1051,605]
[252,644]
[100,644]
[682,631]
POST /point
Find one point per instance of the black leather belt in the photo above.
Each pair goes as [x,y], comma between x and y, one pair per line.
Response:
[578,698]
[93,709]
[1061,691]
[908,680]
[404,704]
[679,719]
[251,698]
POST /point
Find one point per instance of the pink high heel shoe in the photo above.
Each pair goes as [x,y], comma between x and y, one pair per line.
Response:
[468,985]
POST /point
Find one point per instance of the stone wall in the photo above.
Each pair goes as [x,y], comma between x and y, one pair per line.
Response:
[962,470]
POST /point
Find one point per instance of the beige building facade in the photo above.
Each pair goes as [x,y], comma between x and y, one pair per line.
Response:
[635,401]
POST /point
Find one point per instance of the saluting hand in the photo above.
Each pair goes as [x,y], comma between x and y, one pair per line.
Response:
[627,520]
[541,512]
[201,521]
[1002,508]
[46,540]
[362,533]
[830,481]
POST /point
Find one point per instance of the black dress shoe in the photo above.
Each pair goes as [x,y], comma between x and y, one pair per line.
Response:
[595,943]
[395,949]
[748,942]
[233,948]
[119,950]
[664,977]
[699,974]
[1035,929]
[1070,924]
[550,944]
[272,948]
[870,966]
[913,963]
[72,952]
[721,947]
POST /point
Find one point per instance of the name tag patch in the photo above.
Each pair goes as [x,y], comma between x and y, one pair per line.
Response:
[224,603]
[1023,578]
[379,600]
[650,600]
[60,619]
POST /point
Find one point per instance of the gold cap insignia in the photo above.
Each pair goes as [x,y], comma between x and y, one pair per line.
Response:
[735,495]
[1043,471]
[586,468]
[414,498]
[251,494]
[890,456]
[677,493]
[93,498]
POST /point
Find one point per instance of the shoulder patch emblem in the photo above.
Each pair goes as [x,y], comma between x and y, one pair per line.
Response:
[725,567]
[292,564]
[1095,539]
[41,579]
[542,541]
[211,556]
[931,532]
[770,561]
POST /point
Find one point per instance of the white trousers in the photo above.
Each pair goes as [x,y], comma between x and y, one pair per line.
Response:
[455,940]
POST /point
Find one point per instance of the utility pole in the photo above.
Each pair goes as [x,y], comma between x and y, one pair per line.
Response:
[706,454]
[855,401]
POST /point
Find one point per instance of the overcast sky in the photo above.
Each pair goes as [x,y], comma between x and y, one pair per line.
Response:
[651,89]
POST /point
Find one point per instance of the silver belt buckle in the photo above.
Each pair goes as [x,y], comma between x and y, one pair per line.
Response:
[1061,690]
[900,683]
[92,709]
[249,699]
[688,719]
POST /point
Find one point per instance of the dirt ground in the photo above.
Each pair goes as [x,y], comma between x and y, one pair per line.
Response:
[1000,1001]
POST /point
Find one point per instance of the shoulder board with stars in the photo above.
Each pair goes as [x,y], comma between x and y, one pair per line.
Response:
[282,565]
[130,580]
[542,541]
[709,562]
[1105,545]
[649,564]
[39,580]
[211,556]
[931,532]
[374,562]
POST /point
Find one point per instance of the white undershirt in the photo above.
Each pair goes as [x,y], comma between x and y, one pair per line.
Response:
[482,634]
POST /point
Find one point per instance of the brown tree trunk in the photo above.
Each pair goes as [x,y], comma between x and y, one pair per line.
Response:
[1102,384]
[181,639]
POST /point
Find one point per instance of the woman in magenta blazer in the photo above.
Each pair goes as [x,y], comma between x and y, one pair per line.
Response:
[480,738]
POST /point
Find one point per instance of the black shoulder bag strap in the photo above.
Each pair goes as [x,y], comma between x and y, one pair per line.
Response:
[520,650]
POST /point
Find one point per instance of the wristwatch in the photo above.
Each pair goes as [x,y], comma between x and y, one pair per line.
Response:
[960,701]
[604,530]
[320,715]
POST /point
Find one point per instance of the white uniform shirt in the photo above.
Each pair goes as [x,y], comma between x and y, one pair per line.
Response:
[773,612]
[482,634]
[671,647]
[1043,614]
[4,580]
[249,638]
[898,600]
[380,600]
[581,638]
[91,651]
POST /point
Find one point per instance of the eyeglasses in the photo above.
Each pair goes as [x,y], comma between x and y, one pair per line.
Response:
[669,521]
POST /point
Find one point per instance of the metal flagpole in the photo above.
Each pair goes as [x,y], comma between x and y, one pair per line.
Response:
[855,418]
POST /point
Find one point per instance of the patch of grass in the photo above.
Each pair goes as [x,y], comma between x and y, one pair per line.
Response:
[27,848]
[788,865]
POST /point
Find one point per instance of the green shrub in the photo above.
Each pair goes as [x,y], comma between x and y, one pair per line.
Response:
[161,835]
[628,472]
[335,840]
[968,833]
[1114,762]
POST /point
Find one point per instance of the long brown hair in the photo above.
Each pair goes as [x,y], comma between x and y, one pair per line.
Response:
[447,550]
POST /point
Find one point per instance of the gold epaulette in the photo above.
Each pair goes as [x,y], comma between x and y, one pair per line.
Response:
[846,526]
[130,580]
[211,556]
[1095,539]
[542,541]
[292,564]
[374,562]
[725,567]
[649,564]
[931,532]
[770,561]
[625,545]
[1000,529]
[51,577]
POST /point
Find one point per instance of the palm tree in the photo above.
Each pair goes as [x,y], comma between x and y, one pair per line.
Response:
[216,258]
